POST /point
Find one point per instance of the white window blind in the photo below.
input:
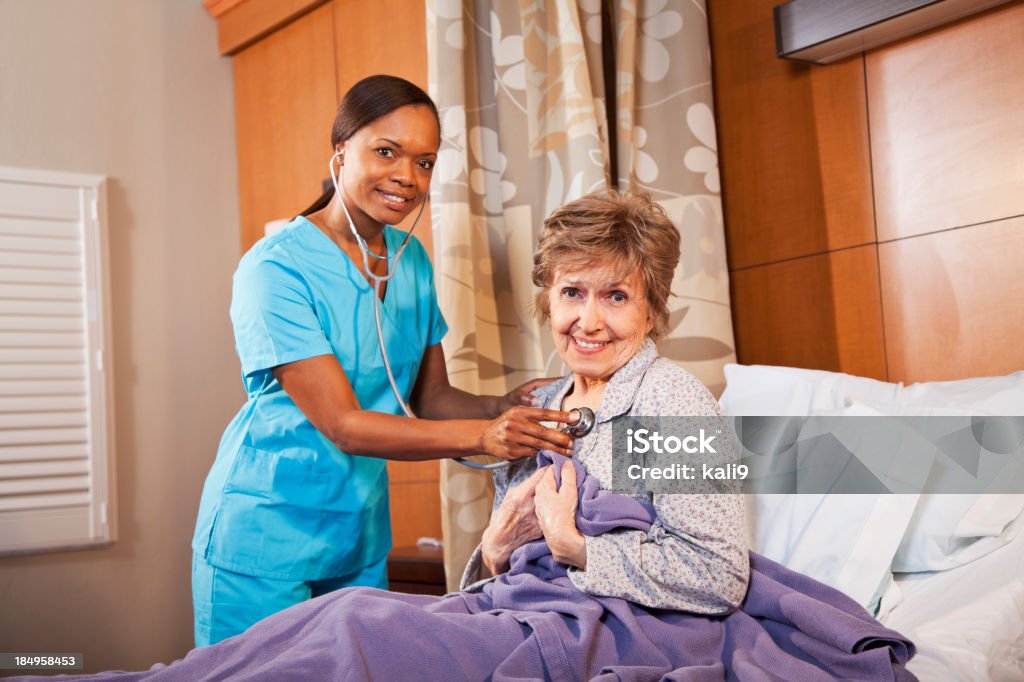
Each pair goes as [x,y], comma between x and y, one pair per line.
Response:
[56,402]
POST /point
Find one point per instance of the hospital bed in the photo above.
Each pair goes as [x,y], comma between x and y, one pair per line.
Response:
[947,571]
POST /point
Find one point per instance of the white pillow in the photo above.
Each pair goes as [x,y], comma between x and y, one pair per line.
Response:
[983,396]
[844,540]
[946,530]
[952,529]
[768,390]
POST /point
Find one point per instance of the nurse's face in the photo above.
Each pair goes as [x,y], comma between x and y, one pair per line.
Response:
[599,318]
[387,165]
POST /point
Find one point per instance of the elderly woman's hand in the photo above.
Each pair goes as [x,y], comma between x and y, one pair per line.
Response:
[556,513]
[513,525]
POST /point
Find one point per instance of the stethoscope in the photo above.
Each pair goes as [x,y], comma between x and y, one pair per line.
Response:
[586,419]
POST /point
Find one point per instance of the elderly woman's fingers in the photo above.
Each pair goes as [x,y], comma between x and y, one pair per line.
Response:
[514,524]
[568,477]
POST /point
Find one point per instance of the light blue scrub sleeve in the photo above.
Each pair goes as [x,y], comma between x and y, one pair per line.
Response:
[274,316]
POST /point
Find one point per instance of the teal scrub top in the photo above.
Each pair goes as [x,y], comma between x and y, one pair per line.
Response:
[281,501]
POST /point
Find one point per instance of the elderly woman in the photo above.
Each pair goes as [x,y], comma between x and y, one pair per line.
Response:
[585,582]
[604,265]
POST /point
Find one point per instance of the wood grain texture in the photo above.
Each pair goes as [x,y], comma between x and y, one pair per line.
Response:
[414,472]
[416,570]
[954,303]
[384,36]
[793,143]
[415,512]
[947,128]
[284,105]
[241,24]
[819,312]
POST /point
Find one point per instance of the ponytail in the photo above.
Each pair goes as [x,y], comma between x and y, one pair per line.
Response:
[320,203]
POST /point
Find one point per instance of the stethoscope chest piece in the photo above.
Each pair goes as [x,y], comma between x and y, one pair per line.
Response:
[583,425]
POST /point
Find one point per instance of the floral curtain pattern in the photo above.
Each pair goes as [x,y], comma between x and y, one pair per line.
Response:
[521,89]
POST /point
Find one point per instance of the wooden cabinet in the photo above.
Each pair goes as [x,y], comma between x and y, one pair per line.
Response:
[293,61]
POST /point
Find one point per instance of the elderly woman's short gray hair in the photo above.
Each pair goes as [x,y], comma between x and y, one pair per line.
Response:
[608,227]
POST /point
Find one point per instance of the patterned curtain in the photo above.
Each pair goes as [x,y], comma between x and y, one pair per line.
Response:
[522,90]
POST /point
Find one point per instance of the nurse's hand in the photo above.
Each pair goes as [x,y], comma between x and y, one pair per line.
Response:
[521,395]
[518,433]
[513,524]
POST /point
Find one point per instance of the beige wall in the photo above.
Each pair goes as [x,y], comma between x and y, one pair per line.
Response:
[135,91]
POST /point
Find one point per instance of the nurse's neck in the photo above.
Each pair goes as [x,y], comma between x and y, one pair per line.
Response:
[333,222]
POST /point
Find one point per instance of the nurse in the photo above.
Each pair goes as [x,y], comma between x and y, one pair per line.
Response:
[296,503]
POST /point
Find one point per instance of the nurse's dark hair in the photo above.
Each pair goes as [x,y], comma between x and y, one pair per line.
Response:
[365,102]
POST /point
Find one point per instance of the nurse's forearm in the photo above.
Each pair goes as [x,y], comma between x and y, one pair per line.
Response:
[375,434]
[448,402]
[433,397]
[516,433]
[320,388]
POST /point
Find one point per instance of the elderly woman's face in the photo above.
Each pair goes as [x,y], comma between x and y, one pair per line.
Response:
[599,318]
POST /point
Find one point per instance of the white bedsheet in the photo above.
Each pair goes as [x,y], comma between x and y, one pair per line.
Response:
[967,622]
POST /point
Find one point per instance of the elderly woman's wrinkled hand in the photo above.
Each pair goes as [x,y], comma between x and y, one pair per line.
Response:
[556,513]
[513,525]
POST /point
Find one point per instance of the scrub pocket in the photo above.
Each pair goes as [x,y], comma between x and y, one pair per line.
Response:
[271,508]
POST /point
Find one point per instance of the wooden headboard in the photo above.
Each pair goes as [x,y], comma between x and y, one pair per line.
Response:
[874,207]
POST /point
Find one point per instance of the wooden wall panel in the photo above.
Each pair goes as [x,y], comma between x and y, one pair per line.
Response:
[820,312]
[947,125]
[240,24]
[954,302]
[384,36]
[413,472]
[415,512]
[946,139]
[284,105]
[793,143]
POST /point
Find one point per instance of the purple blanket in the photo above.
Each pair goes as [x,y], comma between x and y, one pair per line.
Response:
[532,623]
